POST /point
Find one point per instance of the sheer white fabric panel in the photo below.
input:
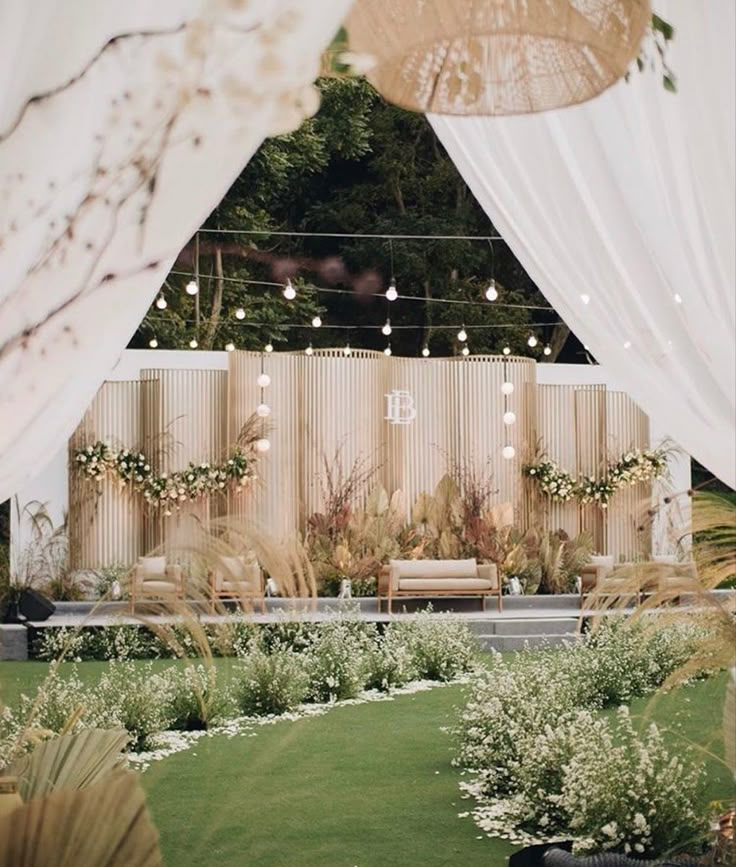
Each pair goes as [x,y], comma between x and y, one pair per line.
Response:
[121,127]
[630,200]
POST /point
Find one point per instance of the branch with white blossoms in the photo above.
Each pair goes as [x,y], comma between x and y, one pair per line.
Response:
[632,468]
[132,469]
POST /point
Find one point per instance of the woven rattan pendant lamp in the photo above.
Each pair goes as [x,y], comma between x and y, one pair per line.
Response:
[495,57]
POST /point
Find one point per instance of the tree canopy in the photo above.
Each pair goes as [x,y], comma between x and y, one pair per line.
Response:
[360,165]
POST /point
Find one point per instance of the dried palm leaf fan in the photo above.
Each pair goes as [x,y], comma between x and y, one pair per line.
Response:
[495,57]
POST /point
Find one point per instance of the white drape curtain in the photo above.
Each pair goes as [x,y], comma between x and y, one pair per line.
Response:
[121,127]
[628,203]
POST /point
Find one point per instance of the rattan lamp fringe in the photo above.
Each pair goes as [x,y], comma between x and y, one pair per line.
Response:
[496,57]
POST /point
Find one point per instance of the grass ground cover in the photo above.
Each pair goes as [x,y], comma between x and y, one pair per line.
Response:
[361,786]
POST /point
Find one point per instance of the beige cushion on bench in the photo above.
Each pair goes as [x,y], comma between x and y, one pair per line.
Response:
[445,584]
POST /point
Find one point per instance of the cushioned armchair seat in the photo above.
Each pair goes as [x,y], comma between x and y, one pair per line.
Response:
[239,578]
[155,579]
[438,578]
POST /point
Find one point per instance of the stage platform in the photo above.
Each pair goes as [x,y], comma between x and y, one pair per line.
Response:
[532,620]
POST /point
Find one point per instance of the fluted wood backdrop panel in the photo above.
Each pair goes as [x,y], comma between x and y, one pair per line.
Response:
[106,521]
[327,402]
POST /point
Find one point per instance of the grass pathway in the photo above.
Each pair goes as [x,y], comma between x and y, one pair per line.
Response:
[363,786]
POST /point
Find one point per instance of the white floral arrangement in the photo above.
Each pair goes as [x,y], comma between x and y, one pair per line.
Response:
[131,468]
[632,468]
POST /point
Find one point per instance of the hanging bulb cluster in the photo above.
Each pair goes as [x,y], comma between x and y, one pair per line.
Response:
[263,410]
[392,292]
[289,292]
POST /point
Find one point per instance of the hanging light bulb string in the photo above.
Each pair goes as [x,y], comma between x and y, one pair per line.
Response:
[378,294]
[458,327]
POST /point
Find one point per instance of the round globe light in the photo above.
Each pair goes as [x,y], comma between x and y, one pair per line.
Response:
[308,350]
[547,350]
[508,452]
[317,322]
[289,291]
[347,350]
[425,352]
[465,350]
[192,288]
[386,330]
[509,417]
[263,445]
[153,343]
[506,350]
[263,410]
[392,292]
[387,350]
[264,380]
[269,347]
[161,303]
[532,342]
[230,346]
[240,313]
[462,335]
[193,343]
[507,388]
[491,291]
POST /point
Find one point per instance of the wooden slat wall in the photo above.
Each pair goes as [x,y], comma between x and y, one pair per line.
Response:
[325,401]
[106,523]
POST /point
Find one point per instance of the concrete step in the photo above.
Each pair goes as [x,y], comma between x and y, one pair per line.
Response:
[536,626]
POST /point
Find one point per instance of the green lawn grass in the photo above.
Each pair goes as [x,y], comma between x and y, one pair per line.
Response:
[362,786]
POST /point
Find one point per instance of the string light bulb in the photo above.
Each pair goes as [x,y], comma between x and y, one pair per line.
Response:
[532,342]
[507,388]
[506,350]
[153,343]
[308,350]
[193,343]
[240,313]
[264,380]
[289,292]
[347,350]
[161,302]
[425,351]
[509,418]
[491,291]
[230,346]
[465,351]
[462,335]
[392,292]
[386,330]
[192,287]
[387,350]
[317,321]
[269,347]
[508,452]
[263,410]
[263,445]
[547,350]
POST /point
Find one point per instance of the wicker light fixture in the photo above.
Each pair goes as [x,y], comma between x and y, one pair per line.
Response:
[495,57]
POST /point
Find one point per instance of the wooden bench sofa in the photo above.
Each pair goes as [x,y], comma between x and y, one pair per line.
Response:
[663,574]
[438,578]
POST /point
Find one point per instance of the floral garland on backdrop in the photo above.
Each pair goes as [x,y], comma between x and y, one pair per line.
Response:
[633,467]
[167,490]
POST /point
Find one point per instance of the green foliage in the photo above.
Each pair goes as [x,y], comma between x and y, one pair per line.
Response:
[441,646]
[269,683]
[337,661]
[197,701]
[360,165]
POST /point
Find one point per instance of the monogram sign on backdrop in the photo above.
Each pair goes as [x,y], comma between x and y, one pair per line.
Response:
[412,418]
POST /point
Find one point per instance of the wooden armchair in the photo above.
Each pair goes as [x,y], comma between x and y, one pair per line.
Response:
[239,578]
[153,579]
